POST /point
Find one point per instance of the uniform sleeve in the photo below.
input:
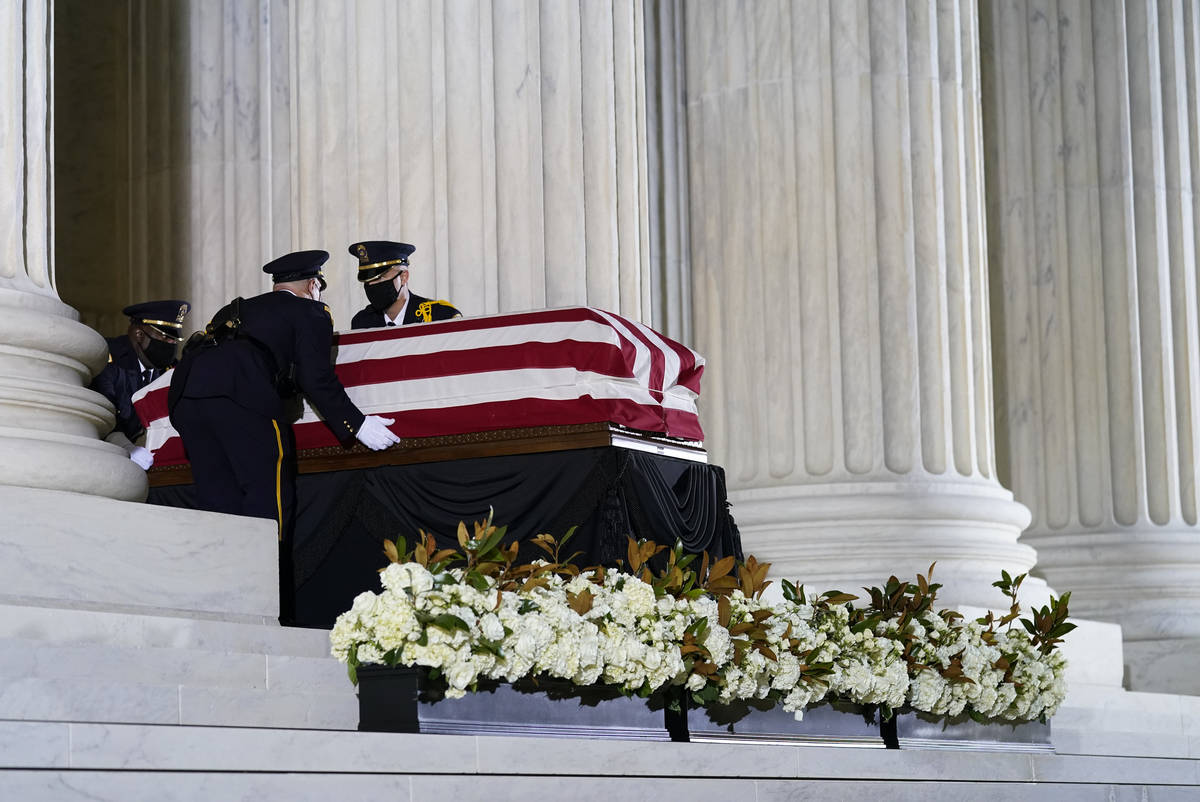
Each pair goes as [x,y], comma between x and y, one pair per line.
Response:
[113,385]
[444,311]
[315,375]
[364,319]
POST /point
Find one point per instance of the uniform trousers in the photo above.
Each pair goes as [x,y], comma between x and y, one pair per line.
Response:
[242,462]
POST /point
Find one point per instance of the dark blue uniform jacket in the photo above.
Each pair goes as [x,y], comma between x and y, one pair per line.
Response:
[284,333]
[419,310]
[120,379]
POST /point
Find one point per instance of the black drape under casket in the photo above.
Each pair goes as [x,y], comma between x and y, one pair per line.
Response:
[607,493]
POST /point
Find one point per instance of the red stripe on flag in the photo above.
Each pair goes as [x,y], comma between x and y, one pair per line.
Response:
[585,356]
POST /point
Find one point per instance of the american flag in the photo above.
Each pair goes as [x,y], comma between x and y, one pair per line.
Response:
[553,367]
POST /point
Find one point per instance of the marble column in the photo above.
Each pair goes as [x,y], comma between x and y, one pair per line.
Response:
[174,152]
[667,154]
[49,438]
[1093,163]
[838,249]
[504,138]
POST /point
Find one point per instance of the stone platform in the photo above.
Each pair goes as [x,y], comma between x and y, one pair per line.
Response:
[151,666]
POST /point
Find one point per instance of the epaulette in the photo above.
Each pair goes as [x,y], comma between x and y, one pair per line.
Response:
[425,310]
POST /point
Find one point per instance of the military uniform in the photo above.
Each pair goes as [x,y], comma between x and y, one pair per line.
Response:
[375,259]
[419,310]
[228,394]
[125,374]
[121,378]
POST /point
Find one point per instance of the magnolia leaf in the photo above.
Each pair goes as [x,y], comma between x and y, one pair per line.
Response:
[1061,629]
[442,555]
[765,651]
[722,567]
[633,555]
[724,611]
[389,548]
[420,555]
[580,602]
[450,622]
[463,539]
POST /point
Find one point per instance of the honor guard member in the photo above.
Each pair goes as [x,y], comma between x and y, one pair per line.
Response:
[227,398]
[136,358]
[383,270]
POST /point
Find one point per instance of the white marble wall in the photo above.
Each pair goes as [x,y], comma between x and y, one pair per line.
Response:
[838,250]
[667,154]
[1093,159]
[506,139]
[50,422]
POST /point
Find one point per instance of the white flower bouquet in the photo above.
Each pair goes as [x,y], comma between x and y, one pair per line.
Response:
[474,616]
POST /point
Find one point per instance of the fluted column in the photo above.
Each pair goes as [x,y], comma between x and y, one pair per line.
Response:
[175,148]
[838,234]
[504,138]
[1093,164]
[49,423]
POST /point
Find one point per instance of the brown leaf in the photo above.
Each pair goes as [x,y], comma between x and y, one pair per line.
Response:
[389,548]
[580,602]
[463,539]
[633,554]
[441,555]
[722,567]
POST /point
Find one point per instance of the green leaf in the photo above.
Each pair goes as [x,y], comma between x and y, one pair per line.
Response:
[1061,629]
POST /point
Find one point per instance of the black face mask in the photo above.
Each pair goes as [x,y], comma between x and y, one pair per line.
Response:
[161,354]
[382,295]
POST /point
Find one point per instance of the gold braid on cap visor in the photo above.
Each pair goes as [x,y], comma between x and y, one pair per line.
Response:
[388,263]
[158,324]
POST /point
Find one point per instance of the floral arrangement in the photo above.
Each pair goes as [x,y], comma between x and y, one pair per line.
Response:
[476,615]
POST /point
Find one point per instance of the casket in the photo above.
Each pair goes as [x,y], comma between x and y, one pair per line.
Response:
[565,420]
[551,372]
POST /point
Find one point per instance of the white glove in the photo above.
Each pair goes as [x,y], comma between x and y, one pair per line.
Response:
[374,433]
[142,456]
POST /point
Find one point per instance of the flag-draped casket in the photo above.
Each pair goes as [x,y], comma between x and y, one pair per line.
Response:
[554,367]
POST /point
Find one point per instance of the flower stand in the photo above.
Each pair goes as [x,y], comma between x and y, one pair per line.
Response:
[405,700]
[759,721]
[914,730]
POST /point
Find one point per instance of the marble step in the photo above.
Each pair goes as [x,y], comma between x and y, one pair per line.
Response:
[74,626]
[90,662]
[135,762]
[1097,720]
[154,702]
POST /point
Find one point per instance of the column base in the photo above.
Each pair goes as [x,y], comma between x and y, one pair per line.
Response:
[52,423]
[856,534]
[1167,665]
[1147,579]
[75,551]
